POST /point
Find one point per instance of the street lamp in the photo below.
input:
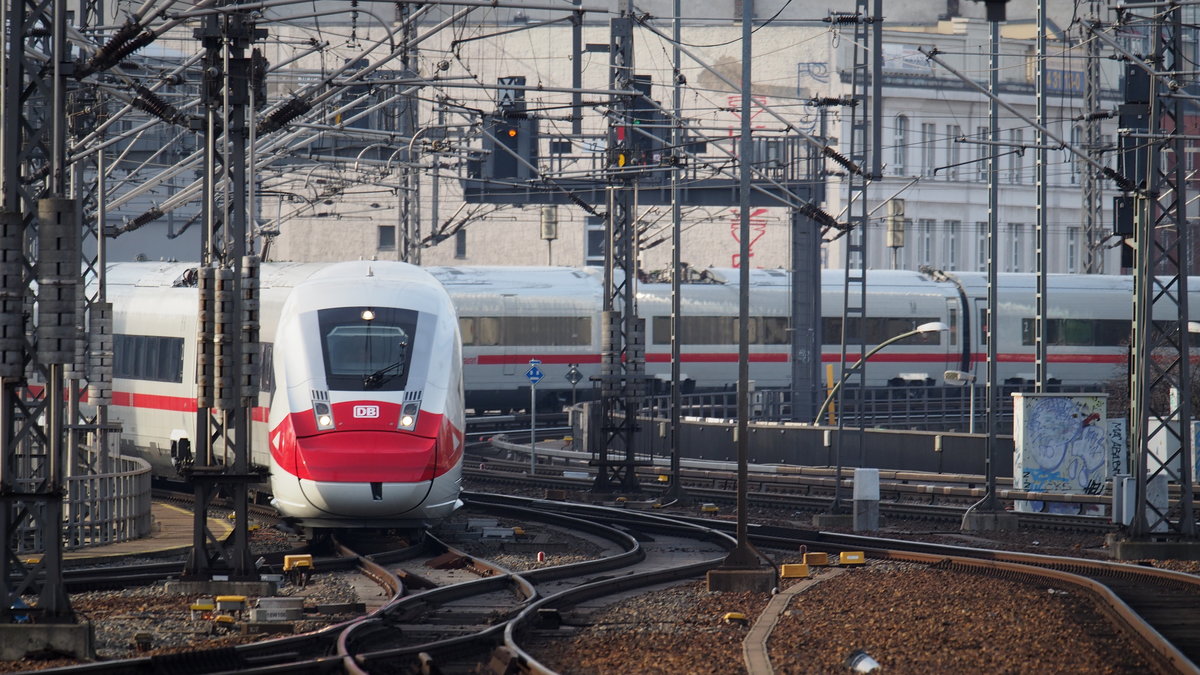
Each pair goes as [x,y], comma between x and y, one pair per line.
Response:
[931,327]
[960,378]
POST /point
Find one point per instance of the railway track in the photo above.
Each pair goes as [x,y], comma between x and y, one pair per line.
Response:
[909,495]
[1159,610]
[493,615]
[455,625]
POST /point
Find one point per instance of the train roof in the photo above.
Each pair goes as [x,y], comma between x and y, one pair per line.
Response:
[271,275]
[527,280]
[533,280]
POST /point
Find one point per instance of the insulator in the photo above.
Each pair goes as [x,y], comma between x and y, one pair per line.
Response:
[840,18]
[151,215]
[1124,183]
[152,103]
[823,219]
[281,116]
[843,160]
[58,280]
[105,57]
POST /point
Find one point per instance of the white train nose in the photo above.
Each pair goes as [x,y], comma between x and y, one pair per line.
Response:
[365,500]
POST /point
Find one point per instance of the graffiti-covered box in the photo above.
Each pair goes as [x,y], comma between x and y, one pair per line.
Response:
[1059,445]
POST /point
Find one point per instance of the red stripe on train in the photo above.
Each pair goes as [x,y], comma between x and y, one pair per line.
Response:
[128,399]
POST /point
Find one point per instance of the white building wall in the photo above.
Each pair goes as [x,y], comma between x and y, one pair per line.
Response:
[793,64]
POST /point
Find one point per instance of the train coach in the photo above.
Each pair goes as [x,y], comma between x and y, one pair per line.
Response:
[360,416]
[511,315]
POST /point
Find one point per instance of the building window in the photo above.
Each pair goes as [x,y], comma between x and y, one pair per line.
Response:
[460,244]
[953,132]
[925,245]
[593,241]
[900,146]
[1016,247]
[981,246]
[983,154]
[1016,154]
[928,148]
[1072,249]
[387,238]
[952,229]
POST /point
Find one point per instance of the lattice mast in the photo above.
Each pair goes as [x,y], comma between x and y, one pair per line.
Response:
[39,238]
[1161,406]
[622,355]
[227,353]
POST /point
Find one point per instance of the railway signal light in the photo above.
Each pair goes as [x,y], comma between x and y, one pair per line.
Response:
[511,144]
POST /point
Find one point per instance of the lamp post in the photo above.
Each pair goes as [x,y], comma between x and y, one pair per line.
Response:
[931,327]
[961,378]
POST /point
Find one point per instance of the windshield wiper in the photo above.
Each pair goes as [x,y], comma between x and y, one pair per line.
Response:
[376,379]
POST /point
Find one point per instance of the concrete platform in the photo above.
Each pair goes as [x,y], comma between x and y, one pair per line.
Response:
[17,640]
[990,521]
[1132,549]
[739,581]
[170,534]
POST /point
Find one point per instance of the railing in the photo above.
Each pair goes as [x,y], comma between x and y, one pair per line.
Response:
[109,507]
[908,406]
[98,508]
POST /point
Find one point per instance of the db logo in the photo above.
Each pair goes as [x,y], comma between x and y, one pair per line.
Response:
[366,411]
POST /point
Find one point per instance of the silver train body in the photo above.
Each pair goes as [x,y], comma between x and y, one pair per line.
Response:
[360,419]
[510,315]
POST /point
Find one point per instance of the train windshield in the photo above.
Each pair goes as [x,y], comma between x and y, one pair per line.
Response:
[366,348]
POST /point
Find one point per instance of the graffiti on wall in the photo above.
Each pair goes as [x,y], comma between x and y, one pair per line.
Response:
[1060,444]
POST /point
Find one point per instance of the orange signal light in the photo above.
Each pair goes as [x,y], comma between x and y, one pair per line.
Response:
[512,133]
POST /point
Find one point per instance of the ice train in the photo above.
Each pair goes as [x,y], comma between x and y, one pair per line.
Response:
[509,315]
[360,418]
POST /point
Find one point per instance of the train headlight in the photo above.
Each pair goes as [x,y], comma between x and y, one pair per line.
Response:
[408,416]
[324,415]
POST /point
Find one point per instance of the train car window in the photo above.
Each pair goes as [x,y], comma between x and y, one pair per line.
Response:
[156,358]
[721,330]
[541,331]
[266,374]
[774,331]
[1113,332]
[878,329]
[547,331]
[1078,332]
[487,331]
[466,328]
[366,348]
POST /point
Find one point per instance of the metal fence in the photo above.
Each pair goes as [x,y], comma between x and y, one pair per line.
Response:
[99,508]
[904,407]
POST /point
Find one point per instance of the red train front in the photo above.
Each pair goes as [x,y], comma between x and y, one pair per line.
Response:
[365,428]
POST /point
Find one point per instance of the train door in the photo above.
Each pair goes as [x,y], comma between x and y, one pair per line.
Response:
[508,315]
